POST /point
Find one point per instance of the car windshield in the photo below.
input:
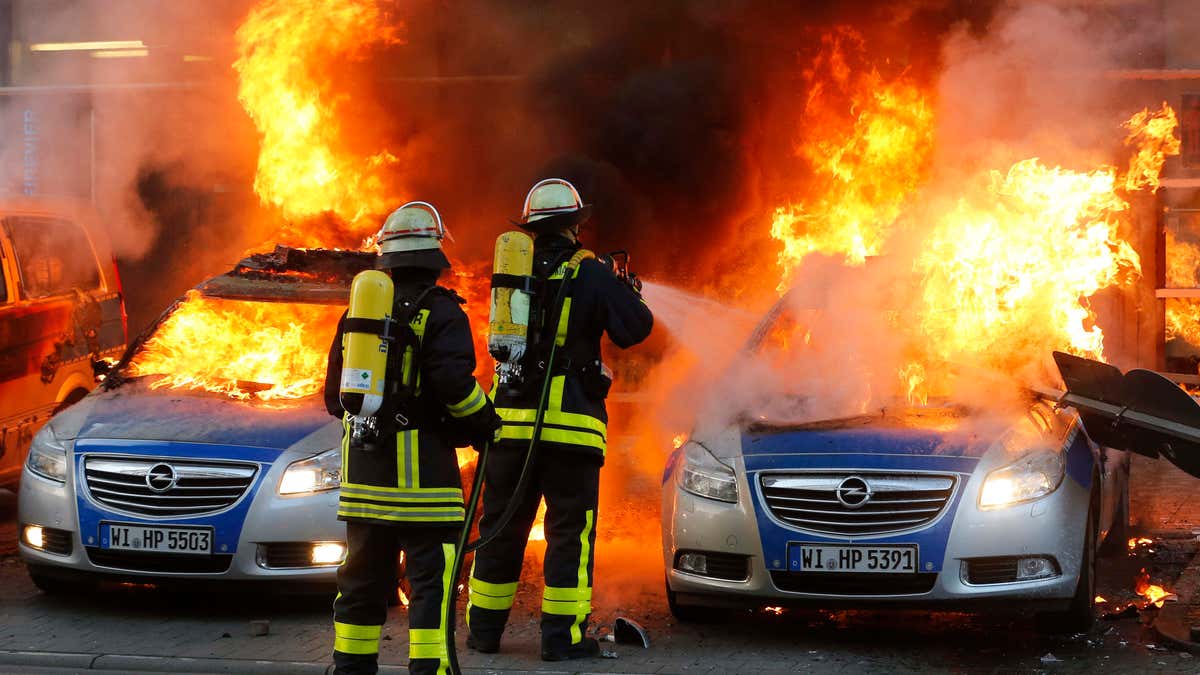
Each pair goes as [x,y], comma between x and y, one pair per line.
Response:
[243,349]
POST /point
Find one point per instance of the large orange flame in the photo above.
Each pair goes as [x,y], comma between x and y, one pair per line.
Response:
[1008,258]
[266,351]
[290,57]
[867,139]
[1011,266]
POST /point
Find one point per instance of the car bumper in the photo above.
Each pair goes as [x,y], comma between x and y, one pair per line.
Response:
[270,520]
[1051,526]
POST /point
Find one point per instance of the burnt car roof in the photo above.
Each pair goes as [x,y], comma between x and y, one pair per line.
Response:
[289,274]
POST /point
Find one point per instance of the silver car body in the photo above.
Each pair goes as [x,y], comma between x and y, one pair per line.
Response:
[962,532]
[138,457]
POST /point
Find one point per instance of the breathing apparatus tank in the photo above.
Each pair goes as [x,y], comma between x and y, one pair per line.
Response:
[508,327]
[365,341]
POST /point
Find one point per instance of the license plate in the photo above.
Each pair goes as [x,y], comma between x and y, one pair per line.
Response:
[155,539]
[853,558]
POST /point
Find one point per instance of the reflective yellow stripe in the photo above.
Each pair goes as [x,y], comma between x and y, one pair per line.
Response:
[448,555]
[574,608]
[584,438]
[345,445]
[390,494]
[560,337]
[353,639]
[402,514]
[556,417]
[407,464]
[562,594]
[426,643]
[585,550]
[478,599]
[470,405]
[356,632]
[567,601]
[495,590]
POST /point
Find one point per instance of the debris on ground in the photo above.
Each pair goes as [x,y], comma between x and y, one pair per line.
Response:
[259,628]
[628,632]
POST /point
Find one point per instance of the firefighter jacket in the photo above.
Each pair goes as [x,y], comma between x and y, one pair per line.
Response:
[432,405]
[597,302]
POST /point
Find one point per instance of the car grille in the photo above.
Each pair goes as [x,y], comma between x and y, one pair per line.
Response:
[854,584]
[145,486]
[159,562]
[809,501]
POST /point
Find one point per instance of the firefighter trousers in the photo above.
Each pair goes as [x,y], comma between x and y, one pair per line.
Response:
[570,483]
[368,578]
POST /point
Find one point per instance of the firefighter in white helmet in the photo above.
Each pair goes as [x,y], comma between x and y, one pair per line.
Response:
[403,492]
[578,299]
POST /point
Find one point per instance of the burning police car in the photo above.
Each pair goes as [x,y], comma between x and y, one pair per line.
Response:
[208,453]
[900,505]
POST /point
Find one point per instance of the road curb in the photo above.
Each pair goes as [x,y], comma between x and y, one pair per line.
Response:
[129,663]
[1173,623]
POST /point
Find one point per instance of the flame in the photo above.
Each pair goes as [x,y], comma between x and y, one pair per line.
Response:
[1154,594]
[1183,320]
[1007,258]
[466,457]
[262,350]
[290,55]
[1007,272]
[538,531]
[403,596]
[773,610]
[1134,542]
[912,377]
[678,441]
[867,140]
[1153,134]
[1100,599]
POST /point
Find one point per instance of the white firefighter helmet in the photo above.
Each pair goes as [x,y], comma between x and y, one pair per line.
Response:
[412,237]
[553,205]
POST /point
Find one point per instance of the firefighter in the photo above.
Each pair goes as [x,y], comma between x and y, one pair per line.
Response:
[572,441]
[403,492]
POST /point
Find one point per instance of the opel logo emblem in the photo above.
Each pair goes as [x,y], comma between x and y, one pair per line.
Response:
[853,492]
[161,477]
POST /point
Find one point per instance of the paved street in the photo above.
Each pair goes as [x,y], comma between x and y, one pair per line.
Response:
[141,621]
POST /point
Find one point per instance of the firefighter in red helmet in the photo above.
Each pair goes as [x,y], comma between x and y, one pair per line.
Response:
[573,438]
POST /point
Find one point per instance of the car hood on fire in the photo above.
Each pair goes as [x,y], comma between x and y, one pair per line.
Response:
[136,412]
[941,433]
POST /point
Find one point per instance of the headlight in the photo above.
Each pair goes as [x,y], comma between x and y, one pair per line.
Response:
[1035,475]
[704,475]
[47,456]
[323,472]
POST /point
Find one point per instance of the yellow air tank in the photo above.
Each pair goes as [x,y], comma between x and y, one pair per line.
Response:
[508,329]
[364,349]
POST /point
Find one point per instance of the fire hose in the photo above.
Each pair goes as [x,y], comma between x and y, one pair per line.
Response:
[465,546]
